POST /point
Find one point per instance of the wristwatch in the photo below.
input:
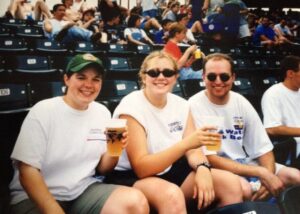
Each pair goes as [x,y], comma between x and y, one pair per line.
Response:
[205,164]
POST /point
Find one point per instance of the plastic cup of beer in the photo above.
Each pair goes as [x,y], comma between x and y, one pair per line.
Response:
[218,122]
[114,133]
[197,54]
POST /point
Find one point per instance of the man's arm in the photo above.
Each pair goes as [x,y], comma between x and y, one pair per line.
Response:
[37,190]
[234,167]
[284,131]
[48,26]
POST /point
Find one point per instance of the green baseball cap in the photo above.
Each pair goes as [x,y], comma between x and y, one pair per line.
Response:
[80,61]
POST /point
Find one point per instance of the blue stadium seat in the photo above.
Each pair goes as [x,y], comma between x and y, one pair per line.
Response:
[88,47]
[31,68]
[29,32]
[177,89]
[191,87]
[118,50]
[120,68]
[12,45]
[49,47]
[114,90]
[249,207]
[289,200]
[4,31]
[13,98]
[43,90]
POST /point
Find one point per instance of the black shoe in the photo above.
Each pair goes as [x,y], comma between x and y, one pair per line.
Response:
[61,34]
[95,38]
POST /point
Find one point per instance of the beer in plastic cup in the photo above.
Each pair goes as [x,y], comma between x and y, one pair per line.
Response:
[114,133]
[197,54]
[218,122]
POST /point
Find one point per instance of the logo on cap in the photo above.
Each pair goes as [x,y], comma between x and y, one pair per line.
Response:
[89,57]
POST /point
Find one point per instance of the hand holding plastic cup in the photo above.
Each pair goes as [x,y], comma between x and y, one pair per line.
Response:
[114,132]
[218,122]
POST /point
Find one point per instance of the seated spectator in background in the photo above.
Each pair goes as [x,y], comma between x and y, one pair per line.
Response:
[164,157]
[90,22]
[113,29]
[198,9]
[194,25]
[246,149]
[162,35]
[177,34]
[81,6]
[183,19]
[172,13]
[147,22]
[62,145]
[134,34]
[23,9]
[108,7]
[265,35]
[280,103]
[244,31]
[71,14]
[283,32]
[214,7]
[67,32]
[149,9]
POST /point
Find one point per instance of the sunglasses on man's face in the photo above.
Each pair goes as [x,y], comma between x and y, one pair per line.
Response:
[166,73]
[223,76]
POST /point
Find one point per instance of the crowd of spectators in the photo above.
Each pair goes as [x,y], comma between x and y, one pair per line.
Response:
[219,20]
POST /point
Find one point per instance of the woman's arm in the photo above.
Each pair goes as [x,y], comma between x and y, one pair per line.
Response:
[37,190]
[185,58]
[145,164]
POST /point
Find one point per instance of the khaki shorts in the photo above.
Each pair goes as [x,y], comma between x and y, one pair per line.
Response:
[90,201]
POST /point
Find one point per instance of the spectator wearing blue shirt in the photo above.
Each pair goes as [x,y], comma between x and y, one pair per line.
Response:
[161,36]
[265,35]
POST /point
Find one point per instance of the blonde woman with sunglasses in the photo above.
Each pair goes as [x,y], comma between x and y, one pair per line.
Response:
[163,158]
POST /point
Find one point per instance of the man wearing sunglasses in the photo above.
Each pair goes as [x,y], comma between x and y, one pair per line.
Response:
[246,149]
[280,104]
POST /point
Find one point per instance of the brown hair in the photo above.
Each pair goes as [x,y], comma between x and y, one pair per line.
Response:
[152,55]
[176,28]
[218,57]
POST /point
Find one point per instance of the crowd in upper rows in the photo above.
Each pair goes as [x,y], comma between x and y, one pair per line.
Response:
[149,21]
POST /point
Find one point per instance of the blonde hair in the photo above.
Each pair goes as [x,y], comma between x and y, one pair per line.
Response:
[152,55]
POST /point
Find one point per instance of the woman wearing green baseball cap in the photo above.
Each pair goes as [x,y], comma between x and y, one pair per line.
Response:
[60,147]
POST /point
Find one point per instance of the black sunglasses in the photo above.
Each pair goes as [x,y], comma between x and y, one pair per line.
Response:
[223,76]
[166,73]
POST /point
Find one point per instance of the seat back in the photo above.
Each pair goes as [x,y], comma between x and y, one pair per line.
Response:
[88,47]
[30,32]
[191,86]
[114,90]
[12,45]
[289,200]
[43,90]
[249,207]
[49,47]
[32,64]
[13,98]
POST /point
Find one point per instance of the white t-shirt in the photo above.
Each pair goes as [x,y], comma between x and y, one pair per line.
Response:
[281,107]
[136,33]
[164,127]
[64,144]
[244,137]
[148,5]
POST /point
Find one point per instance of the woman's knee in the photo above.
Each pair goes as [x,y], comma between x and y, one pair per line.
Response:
[174,198]
[137,202]
[129,200]
[229,189]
